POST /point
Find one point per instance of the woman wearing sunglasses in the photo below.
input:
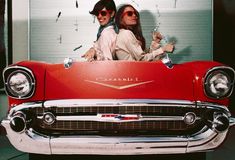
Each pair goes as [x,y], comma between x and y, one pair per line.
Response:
[130,43]
[104,46]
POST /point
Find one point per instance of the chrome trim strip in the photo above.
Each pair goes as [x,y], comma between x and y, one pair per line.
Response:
[231,121]
[117,102]
[211,106]
[114,102]
[23,106]
[113,119]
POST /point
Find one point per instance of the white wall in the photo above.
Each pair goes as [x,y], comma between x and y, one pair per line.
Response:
[20,16]
[190,22]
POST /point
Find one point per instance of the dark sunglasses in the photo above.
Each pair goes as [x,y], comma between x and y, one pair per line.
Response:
[130,13]
[103,13]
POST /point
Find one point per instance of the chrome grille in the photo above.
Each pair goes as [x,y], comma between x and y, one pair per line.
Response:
[175,127]
[91,125]
[144,110]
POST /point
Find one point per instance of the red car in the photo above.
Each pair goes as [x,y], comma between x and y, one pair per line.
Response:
[118,107]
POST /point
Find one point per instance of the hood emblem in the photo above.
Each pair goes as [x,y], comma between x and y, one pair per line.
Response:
[119,87]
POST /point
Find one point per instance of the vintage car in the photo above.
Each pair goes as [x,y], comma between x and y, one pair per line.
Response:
[118,107]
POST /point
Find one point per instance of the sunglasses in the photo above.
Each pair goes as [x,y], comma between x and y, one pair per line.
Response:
[103,13]
[130,13]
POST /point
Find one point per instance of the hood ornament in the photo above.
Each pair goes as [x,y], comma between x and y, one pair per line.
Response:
[68,63]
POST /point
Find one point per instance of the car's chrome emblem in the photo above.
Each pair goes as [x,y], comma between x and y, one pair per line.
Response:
[119,87]
[118,117]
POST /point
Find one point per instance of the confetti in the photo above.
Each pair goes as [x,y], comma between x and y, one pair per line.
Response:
[58,16]
[60,39]
[77,48]
[76,4]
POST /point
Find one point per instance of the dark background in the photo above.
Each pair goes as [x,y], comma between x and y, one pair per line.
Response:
[2,47]
[224,36]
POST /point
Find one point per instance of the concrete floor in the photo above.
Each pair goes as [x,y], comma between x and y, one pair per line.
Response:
[224,152]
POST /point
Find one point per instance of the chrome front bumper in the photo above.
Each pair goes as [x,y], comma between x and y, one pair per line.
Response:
[32,142]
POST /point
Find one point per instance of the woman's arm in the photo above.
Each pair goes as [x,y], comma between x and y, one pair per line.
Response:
[103,48]
[133,47]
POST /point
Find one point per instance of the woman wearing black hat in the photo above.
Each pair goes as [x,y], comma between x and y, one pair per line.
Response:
[103,48]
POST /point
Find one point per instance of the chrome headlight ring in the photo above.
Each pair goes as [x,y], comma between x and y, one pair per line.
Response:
[219,82]
[19,82]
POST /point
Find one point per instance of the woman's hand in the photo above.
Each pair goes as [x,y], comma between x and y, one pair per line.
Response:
[168,48]
[154,45]
[90,55]
[157,37]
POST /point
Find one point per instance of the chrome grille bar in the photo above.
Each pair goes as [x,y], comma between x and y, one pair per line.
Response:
[116,102]
[98,119]
[122,127]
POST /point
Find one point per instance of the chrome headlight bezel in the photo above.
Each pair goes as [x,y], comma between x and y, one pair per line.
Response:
[217,75]
[24,86]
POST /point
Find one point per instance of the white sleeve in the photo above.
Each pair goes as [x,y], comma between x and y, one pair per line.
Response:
[135,49]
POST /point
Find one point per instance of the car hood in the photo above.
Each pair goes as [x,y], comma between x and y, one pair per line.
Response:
[118,80]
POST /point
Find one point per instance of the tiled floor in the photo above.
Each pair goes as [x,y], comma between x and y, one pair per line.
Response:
[225,152]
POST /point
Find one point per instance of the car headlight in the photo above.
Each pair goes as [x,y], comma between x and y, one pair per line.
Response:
[19,83]
[219,83]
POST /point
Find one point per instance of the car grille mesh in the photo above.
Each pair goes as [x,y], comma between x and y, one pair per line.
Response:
[145,110]
[176,127]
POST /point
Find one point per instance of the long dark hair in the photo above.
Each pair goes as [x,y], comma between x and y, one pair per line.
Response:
[135,29]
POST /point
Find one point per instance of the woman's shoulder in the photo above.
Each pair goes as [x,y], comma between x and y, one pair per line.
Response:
[125,33]
[108,31]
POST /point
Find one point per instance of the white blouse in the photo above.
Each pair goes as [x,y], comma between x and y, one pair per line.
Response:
[129,48]
[105,45]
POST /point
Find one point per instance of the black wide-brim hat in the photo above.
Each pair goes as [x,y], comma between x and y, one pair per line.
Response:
[108,4]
